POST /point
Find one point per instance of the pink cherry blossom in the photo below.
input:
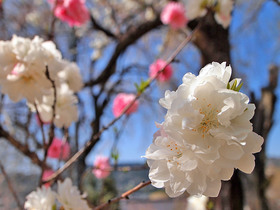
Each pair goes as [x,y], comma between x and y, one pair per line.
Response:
[74,12]
[165,75]
[102,167]
[46,175]
[121,101]
[56,147]
[173,14]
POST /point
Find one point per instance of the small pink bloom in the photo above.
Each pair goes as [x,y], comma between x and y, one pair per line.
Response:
[121,101]
[74,12]
[46,175]
[165,75]
[56,147]
[173,14]
[102,167]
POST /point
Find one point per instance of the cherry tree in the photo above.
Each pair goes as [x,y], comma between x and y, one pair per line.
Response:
[76,71]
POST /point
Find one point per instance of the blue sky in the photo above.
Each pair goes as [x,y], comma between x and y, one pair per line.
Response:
[255,46]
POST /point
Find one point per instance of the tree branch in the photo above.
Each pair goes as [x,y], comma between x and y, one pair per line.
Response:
[277,2]
[124,195]
[99,27]
[10,185]
[126,40]
[22,148]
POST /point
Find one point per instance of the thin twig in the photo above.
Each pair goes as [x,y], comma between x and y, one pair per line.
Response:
[99,27]
[10,185]
[124,195]
[52,27]
[41,125]
[52,127]
[22,148]
[51,132]
[97,135]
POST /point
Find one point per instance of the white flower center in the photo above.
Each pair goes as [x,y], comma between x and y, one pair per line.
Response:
[209,121]
[172,146]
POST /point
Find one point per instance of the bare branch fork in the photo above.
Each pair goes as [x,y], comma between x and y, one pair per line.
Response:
[92,141]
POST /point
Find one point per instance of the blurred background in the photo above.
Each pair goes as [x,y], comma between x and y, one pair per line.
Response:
[122,38]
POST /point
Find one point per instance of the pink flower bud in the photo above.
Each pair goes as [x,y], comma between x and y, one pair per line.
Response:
[102,167]
[121,101]
[57,147]
[165,75]
[74,12]
[173,14]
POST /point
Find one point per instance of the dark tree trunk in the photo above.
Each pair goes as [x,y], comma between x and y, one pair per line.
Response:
[262,123]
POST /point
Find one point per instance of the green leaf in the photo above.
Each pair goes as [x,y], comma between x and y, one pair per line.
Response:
[115,155]
[234,86]
[239,87]
[143,85]
[137,87]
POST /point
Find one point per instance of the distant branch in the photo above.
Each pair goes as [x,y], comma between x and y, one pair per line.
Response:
[99,27]
[10,185]
[277,2]
[22,148]
[126,40]
[124,195]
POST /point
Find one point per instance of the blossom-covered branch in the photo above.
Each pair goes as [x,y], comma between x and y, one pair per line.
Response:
[97,136]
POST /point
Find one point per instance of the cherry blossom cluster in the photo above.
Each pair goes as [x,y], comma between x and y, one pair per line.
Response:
[177,14]
[24,75]
[67,195]
[122,100]
[206,134]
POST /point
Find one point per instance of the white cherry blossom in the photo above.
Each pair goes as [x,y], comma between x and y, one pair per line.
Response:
[23,68]
[198,8]
[205,135]
[223,12]
[195,8]
[70,75]
[41,199]
[66,110]
[197,203]
[69,196]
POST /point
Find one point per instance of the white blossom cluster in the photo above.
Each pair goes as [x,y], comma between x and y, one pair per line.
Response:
[23,76]
[205,135]
[198,8]
[45,199]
